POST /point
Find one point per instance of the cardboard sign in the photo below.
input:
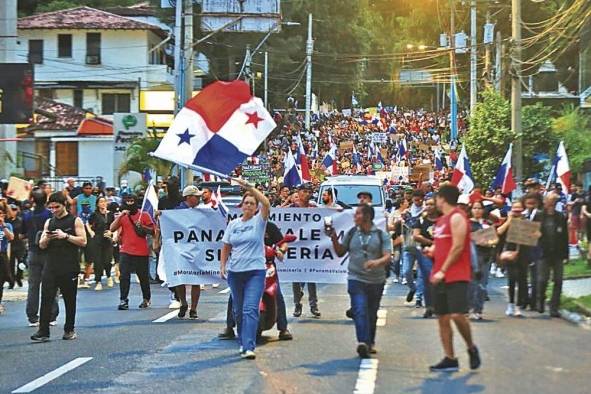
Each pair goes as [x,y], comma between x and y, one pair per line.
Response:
[18,189]
[420,173]
[523,232]
[485,237]
[346,145]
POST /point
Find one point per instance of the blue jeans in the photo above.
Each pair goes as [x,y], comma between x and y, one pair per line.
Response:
[409,256]
[425,266]
[365,302]
[246,289]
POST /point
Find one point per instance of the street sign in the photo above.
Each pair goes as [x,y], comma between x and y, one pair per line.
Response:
[16,93]
[126,128]
[258,16]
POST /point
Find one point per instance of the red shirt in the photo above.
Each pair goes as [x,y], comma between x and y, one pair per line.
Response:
[131,243]
[461,270]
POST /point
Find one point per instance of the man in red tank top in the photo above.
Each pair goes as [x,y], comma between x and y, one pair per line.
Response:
[450,277]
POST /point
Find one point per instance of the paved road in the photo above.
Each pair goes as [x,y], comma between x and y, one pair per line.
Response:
[130,353]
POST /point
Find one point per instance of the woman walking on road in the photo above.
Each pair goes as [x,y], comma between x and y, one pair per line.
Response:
[243,263]
[101,242]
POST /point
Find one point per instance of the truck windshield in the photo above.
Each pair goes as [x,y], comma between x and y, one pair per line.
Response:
[348,193]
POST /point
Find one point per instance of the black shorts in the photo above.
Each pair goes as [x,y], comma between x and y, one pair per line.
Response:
[450,298]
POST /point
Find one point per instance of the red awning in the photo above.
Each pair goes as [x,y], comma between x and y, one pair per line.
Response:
[95,127]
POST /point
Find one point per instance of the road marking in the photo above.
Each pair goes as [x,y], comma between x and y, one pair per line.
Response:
[56,373]
[225,291]
[366,380]
[166,317]
[382,314]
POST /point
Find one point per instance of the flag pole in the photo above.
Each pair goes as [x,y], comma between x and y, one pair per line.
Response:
[193,167]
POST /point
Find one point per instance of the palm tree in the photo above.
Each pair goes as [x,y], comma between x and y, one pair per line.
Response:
[138,158]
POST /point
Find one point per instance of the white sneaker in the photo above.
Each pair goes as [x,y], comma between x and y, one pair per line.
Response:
[404,282]
[493,269]
[499,273]
[174,304]
[473,316]
[53,323]
[109,282]
[82,284]
[517,312]
[215,285]
[98,287]
[33,324]
[510,311]
[248,355]
[396,280]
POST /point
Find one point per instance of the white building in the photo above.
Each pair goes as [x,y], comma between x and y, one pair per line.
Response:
[97,61]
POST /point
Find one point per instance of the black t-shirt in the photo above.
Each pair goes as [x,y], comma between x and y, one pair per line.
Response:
[99,224]
[272,234]
[426,226]
[17,229]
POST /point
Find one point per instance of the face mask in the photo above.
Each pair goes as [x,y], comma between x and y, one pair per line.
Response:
[132,207]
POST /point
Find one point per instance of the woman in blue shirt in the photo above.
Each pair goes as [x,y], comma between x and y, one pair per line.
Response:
[6,235]
[243,263]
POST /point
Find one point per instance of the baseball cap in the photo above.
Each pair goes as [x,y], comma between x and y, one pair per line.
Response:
[191,191]
[364,193]
[305,186]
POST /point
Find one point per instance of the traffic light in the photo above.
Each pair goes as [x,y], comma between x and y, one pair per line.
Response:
[16,93]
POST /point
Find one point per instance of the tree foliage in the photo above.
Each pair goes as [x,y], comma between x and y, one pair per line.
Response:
[138,157]
[574,128]
[489,135]
[538,137]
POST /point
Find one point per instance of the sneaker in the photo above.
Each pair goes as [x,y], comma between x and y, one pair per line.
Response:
[499,273]
[193,314]
[38,337]
[33,324]
[183,311]
[109,282]
[228,333]
[240,350]
[215,285]
[315,312]
[98,287]
[145,304]
[510,311]
[174,304]
[396,280]
[123,305]
[69,335]
[446,365]
[285,335]
[248,355]
[117,281]
[428,313]
[349,313]
[410,295]
[82,284]
[473,316]
[474,358]
[363,350]
[373,350]
[517,312]
[297,312]
[53,323]
[419,304]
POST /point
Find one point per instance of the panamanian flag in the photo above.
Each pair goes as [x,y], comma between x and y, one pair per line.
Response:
[217,129]
[462,175]
[504,177]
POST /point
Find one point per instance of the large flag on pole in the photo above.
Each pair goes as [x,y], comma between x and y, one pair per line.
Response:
[291,175]
[217,129]
[504,178]
[150,203]
[302,161]
[560,171]
[462,175]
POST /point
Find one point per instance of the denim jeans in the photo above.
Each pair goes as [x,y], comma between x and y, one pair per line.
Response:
[409,256]
[365,302]
[247,290]
[281,312]
[425,265]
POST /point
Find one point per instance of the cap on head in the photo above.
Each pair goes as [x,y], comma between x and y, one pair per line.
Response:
[366,194]
[305,186]
[191,191]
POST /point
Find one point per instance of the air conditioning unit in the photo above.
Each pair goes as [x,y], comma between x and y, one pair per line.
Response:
[93,59]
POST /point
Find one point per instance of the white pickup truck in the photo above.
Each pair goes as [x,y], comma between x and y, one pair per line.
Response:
[348,186]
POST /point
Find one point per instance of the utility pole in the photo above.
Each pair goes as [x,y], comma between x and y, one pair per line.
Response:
[8,33]
[487,58]
[266,81]
[178,66]
[248,59]
[187,178]
[309,49]
[498,61]
[473,57]
[516,88]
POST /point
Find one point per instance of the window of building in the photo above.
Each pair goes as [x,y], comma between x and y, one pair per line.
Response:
[45,93]
[93,48]
[36,51]
[115,102]
[66,158]
[64,45]
[78,98]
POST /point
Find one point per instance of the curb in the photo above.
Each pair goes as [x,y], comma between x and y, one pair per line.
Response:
[577,319]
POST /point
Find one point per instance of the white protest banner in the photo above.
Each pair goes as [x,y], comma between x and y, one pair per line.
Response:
[400,173]
[191,246]
[379,138]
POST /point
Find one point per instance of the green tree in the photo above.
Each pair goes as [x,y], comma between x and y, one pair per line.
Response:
[574,128]
[537,136]
[138,158]
[489,135]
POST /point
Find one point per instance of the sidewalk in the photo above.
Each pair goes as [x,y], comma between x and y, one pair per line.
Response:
[576,288]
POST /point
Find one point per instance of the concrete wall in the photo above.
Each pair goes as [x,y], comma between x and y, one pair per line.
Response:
[95,157]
